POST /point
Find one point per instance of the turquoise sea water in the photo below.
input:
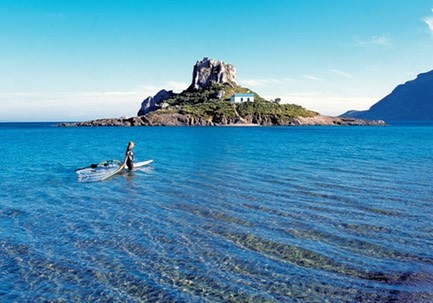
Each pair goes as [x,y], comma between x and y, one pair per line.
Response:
[261,214]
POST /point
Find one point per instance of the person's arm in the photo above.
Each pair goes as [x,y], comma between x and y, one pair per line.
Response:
[126,159]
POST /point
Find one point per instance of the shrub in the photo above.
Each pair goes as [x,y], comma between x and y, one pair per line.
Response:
[205,103]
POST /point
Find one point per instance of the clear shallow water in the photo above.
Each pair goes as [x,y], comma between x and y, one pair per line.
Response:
[267,214]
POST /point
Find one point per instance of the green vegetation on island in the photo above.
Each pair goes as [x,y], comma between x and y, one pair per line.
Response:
[213,92]
[213,103]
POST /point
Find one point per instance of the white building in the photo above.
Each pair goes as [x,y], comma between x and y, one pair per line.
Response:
[239,98]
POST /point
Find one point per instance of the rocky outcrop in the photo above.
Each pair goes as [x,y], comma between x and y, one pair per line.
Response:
[134,121]
[156,102]
[205,73]
[208,71]
[412,101]
[327,120]
[176,119]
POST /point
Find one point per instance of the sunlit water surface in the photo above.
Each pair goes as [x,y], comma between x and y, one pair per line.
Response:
[262,214]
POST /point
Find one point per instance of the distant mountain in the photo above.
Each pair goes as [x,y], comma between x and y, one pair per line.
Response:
[412,101]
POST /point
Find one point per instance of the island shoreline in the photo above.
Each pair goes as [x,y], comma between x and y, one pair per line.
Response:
[188,120]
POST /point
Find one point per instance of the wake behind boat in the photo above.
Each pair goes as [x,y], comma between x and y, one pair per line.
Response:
[104,170]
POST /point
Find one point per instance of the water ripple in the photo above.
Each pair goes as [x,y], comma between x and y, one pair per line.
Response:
[235,215]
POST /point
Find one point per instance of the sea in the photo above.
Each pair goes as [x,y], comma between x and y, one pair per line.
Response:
[223,214]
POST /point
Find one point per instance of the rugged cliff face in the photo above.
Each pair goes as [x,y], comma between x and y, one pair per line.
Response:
[412,101]
[208,71]
[156,102]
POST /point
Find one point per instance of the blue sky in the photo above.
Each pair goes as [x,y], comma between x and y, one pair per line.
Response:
[84,59]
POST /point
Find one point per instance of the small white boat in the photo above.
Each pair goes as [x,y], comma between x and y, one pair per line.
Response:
[104,170]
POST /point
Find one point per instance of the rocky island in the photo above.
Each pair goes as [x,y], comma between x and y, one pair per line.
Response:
[215,98]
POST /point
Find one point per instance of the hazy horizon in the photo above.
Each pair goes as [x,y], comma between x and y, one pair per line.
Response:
[81,60]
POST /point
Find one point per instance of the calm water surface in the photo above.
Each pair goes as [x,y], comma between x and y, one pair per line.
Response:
[266,214]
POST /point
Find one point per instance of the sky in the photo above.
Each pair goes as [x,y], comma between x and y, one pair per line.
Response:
[74,60]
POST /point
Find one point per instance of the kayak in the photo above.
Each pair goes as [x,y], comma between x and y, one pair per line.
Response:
[104,170]
[140,164]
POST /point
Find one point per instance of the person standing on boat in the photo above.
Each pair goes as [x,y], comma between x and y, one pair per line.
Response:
[129,156]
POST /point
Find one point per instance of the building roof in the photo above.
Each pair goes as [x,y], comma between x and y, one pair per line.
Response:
[243,95]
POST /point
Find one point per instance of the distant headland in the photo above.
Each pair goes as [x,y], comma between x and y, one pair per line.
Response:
[411,101]
[215,98]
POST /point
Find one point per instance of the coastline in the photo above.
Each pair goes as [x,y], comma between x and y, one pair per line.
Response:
[189,120]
